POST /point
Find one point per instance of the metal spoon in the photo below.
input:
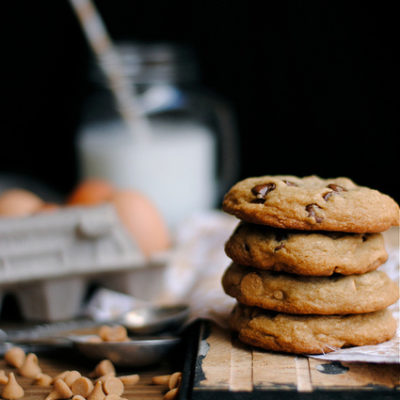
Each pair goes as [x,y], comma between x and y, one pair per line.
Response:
[155,319]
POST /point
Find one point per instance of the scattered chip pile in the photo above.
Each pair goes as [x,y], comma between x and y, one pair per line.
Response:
[101,384]
[306,258]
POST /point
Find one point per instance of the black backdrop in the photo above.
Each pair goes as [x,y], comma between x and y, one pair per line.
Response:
[314,84]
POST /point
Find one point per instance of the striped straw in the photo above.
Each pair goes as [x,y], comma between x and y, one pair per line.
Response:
[109,61]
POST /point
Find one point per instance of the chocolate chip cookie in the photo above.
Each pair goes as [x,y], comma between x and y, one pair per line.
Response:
[311,203]
[311,334]
[306,252]
[295,294]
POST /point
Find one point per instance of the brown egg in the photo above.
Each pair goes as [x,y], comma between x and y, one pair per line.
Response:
[91,192]
[48,208]
[142,220]
[19,202]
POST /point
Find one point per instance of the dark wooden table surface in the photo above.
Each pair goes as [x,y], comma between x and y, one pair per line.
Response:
[53,362]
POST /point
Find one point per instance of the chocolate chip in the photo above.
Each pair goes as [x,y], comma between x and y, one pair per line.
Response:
[327,195]
[364,238]
[310,208]
[280,246]
[261,191]
[290,183]
[246,247]
[336,188]
[258,200]
[280,235]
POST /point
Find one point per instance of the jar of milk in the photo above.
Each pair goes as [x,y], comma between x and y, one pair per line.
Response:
[190,158]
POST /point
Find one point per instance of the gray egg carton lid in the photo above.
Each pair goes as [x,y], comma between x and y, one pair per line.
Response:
[68,241]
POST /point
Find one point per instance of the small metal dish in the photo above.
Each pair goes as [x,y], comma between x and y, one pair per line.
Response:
[156,330]
[139,352]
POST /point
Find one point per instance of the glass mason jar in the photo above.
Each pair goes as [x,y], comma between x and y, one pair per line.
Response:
[190,158]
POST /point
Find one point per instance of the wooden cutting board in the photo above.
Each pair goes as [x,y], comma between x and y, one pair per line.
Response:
[227,369]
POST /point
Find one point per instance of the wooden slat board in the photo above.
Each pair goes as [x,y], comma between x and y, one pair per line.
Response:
[226,368]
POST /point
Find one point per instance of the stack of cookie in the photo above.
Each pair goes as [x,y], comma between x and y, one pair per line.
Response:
[305,264]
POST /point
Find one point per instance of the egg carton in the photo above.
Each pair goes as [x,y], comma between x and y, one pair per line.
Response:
[48,260]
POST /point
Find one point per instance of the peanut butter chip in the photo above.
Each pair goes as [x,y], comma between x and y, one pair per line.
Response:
[171,394]
[12,390]
[113,385]
[53,395]
[62,389]
[3,377]
[175,380]
[97,392]
[104,377]
[43,380]
[82,386]
[71,377]
[104,367]
[160,379]
[15,357]
[132,379]
[116,333]
[30,368]
[62,375]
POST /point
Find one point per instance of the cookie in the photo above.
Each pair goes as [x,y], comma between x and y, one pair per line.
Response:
[311,203]
[311,334]
[295,294]
[306,252]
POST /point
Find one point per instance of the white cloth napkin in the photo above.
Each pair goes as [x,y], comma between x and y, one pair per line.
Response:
[195,268]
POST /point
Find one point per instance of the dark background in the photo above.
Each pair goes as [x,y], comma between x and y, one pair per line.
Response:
[314,85]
